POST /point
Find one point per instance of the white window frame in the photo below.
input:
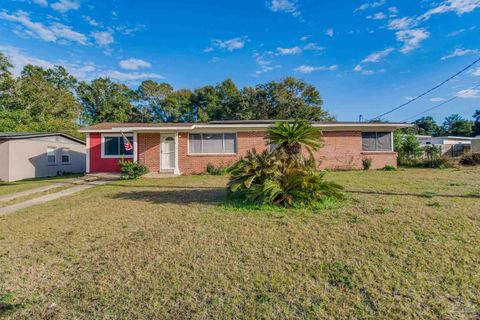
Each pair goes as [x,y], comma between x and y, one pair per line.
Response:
[66,152]
[379,151]
[215,153]
[54,155]
[116,135]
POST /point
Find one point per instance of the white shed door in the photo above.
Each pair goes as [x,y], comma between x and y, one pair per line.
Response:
[168,153]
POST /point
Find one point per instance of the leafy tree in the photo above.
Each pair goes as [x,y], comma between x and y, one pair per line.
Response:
[476,129]
[407,146]
[427,126]
[204,103]
[7,82]
[176,107]
[105,101]
[151,96]
[457,126]
[289,98]
[39,100]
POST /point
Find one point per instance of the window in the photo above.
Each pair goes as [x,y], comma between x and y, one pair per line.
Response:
[212,143]
[65,156]
[377,141]
[51,158]
[113,146]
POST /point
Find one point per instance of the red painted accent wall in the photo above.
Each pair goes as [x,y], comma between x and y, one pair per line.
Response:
[97,164]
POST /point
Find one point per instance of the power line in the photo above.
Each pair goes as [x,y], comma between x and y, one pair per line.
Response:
[428,91]
[444,102]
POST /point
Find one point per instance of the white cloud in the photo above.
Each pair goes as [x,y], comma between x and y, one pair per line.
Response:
[368,72]
[288,6]
[306,69]
[43,3]
[456,33]
[130,76]
[134,64]
[52,33]
[378,16]
[66,32]
[312,46]
[437,99]
[304,38]
[369,5]
[36,28]
[289,51]
[91,21]
[468,94]
[329,32]
[264,64]
[476,72]
[411,38]
[103,38]
[460,53]
[82,71]
[458,6]
[402,23]
[229,45]
[377,56]
[393,10]
[20,59]
[65,5]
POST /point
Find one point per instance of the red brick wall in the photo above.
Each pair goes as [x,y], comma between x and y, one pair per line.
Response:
[148,145]
[192,164]
[341,151]
[381,159]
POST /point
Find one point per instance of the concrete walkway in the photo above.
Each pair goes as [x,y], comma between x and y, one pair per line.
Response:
[49,197]
[28,192]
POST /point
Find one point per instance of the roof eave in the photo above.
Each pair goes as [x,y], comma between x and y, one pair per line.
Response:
[332,126]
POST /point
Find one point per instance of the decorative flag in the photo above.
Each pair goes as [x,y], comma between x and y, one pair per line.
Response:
[126,143]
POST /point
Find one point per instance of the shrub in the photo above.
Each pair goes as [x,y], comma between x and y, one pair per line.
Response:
[367,163]
[216,171]
[283,176]
[131,170]
[389,168]
[470,159]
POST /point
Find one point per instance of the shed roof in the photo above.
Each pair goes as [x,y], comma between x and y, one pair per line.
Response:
[28,135]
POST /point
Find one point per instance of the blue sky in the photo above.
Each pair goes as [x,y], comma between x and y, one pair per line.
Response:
[364,57]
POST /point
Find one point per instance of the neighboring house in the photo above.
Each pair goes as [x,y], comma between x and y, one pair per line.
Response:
[187,148]
[447,140]
[35,155]
[476,145]
[451,145]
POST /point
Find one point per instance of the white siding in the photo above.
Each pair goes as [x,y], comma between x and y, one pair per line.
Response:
[28,157]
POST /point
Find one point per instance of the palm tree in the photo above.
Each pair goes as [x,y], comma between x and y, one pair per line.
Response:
[292,137]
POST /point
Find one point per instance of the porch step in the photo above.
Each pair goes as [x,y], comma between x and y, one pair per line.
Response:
[160,175]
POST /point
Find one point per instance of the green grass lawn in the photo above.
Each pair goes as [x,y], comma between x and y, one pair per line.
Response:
[405,245]
[17,186]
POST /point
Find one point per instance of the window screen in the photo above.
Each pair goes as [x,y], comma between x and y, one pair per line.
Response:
[51,158]
[65,156]
[114,146]
[213,143]
[376,141]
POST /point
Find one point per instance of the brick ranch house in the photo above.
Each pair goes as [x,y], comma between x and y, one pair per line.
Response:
[187,148]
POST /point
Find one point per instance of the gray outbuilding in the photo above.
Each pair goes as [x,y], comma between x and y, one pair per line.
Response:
[27,155]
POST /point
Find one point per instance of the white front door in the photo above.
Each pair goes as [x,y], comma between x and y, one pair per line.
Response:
[168,153]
